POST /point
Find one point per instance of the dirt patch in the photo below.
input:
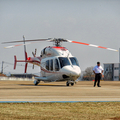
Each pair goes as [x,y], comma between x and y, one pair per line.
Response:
[2,75]
[116,118]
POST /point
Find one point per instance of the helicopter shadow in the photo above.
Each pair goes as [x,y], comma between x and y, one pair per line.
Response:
[43,85]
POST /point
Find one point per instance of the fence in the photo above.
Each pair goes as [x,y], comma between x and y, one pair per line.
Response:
[15,79]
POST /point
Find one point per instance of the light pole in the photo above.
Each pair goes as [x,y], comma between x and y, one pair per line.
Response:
[119,55]
[2,67]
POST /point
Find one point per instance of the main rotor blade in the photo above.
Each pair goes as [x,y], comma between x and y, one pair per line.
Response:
[16,45]
[56,40]
[27,40]
[97,46]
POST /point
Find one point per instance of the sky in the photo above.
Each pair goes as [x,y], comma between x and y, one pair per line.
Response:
[89,21]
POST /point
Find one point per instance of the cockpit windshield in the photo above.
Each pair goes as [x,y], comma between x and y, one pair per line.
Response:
[74,61]
[64,61]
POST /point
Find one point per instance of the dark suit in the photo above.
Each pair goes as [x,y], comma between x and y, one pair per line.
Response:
[97,78]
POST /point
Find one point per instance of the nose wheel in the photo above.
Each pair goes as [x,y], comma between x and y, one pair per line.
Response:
[36,82]
[67,84]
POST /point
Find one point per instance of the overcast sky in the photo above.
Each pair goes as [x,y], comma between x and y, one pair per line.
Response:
[90,21]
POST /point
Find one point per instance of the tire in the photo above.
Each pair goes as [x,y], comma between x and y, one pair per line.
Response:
[72,84]
[36,83]
[67,84]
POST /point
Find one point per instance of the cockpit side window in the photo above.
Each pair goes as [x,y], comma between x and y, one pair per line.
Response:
[47,64]
[64,61]
[56,65]
[74,61]
[44,50]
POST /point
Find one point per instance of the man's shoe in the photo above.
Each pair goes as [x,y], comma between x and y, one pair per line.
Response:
[99,86]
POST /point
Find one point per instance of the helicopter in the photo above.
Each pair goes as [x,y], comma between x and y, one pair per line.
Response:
[56,62]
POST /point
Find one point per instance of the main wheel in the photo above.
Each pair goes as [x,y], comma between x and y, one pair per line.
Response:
[72,84]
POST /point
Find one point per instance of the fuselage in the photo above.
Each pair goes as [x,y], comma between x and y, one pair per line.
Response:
[57,64]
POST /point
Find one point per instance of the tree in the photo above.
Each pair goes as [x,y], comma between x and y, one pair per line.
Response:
[88,75]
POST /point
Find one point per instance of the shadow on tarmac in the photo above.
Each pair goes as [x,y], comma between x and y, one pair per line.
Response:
[50,85]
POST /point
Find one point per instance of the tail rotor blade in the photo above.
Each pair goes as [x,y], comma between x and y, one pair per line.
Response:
[35,51]
[33,54]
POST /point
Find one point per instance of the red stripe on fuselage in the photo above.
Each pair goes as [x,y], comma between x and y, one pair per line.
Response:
[35,62]
[59,48]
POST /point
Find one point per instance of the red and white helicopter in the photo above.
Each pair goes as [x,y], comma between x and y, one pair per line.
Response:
[56,62]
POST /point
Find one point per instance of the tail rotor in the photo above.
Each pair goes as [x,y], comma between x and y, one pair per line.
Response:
[34,55]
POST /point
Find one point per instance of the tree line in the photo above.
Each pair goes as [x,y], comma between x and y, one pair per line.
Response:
[88,74]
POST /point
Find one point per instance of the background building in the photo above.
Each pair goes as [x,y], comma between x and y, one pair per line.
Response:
[112,71]
[24,75]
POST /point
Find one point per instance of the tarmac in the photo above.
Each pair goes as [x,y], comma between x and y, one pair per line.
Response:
[83,91]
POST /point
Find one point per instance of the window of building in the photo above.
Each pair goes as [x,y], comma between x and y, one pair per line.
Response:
[116,68]
[116,77]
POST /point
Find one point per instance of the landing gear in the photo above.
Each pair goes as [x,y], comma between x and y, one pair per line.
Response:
[72,84]
[69,82]
[36,82]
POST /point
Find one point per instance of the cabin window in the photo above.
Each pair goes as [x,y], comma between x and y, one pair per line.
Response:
[51,65]
[47,64]
[44,50]
[56,65]
[74,61]
[64,61]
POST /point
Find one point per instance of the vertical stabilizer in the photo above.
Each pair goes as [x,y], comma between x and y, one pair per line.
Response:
[15,62]
[26,64]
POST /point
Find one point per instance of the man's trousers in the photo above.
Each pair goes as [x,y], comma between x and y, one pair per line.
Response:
[97,78]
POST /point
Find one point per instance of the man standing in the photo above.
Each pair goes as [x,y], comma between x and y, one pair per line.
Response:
[98,70]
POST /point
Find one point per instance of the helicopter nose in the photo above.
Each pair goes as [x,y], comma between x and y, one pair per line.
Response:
[76,72]
[73,72]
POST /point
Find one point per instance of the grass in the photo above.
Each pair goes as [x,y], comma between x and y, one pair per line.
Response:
[60,111]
